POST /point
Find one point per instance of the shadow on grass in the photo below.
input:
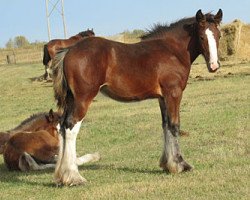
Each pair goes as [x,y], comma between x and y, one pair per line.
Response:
[41,80]
[143,171]
[123,169]
[20,178]
[37,79]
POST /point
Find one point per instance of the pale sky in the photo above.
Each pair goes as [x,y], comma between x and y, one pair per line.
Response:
[106,17]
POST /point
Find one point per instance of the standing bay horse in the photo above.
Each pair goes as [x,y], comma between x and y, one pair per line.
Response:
[34,144]
[52,47]
[157,67]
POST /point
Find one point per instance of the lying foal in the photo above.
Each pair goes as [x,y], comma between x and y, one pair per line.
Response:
[34,144]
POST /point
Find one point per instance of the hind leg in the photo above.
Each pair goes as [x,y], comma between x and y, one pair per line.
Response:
[88,158]
[47,71]
[66,172]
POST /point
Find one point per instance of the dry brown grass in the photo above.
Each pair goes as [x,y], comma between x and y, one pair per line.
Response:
[228,69]
[235,41]
[122,38]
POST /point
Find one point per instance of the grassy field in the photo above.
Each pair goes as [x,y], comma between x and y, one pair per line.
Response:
[215,112]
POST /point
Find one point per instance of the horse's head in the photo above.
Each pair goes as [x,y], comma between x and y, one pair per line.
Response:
[87,33]
[208,36]
[53,118]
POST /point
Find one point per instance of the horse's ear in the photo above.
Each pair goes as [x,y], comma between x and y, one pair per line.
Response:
[50,117]
[218,17]
[200,18]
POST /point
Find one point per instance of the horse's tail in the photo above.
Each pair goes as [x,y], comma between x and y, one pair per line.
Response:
[60,84]
[46,56]
[4,138]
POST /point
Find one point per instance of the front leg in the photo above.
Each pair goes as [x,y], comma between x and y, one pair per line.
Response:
[172,159]
[66,172]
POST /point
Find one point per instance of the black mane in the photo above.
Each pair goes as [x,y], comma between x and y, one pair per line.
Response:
[158,29]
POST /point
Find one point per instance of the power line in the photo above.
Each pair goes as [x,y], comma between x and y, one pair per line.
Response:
[52,7]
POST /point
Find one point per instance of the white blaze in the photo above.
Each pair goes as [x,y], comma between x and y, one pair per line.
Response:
[213,58]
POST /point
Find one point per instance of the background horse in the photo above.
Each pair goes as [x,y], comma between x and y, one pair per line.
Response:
[157,67]
[52,47]
[34,144]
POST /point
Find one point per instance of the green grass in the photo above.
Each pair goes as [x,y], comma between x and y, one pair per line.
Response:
[129,139]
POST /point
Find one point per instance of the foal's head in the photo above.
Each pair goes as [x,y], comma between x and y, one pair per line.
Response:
[52,120]
[209,35]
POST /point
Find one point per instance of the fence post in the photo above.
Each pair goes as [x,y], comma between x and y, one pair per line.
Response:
[8,59]
[14,55]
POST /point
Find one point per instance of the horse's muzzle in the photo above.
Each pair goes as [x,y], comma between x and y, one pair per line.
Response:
[213,67]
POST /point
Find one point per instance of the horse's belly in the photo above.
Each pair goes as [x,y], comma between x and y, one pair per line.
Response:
[127,94]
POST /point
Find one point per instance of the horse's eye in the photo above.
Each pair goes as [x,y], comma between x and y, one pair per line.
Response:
[201,37]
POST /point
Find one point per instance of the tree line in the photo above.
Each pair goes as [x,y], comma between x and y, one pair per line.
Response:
[20,42]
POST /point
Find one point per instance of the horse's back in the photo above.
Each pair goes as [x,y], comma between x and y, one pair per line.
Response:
[32,140]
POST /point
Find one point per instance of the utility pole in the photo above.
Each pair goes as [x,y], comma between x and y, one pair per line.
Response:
[48,23]
[63,18]
[49,11]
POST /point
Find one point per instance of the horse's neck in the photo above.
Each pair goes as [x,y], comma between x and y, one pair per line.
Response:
[75,37]
[193,48]
[187,46]
[67,42]
[32,126]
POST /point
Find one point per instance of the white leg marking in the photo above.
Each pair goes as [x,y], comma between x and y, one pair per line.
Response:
[59,158]
[66,169]
[212,49]
[69,157]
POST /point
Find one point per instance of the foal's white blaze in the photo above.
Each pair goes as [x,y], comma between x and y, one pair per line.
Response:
[213,58]
[58,127]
